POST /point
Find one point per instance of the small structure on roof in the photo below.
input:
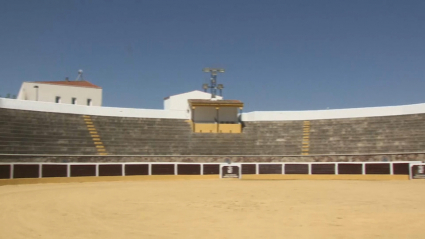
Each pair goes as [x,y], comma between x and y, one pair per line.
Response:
[215,116]
[180,101]
[78,92]
[209,112]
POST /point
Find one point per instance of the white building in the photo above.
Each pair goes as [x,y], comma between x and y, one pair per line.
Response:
[180,101]
[65,92]
[207,115]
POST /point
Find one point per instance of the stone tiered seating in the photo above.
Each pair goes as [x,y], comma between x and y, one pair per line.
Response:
[275,138]
[139,136]
[136,136]
[404,133]
[31,132]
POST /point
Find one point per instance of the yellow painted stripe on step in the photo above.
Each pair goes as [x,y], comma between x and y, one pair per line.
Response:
[305,150]
[306,131]
[304,154]
[306,146]
[92,129]
[306,134]
[89,123]
[100,146]
[98,143]
[95,136]
[101,150]
[305,143]
[86,116]
[306,137]
[96,139]
[93,132]
[90,126]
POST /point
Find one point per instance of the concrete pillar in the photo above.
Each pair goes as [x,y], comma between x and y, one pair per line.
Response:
[218,119]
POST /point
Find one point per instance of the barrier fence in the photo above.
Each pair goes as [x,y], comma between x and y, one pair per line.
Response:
[49,170]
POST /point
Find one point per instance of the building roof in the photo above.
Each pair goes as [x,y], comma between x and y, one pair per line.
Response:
[191,92]
[223,103]
[71,83]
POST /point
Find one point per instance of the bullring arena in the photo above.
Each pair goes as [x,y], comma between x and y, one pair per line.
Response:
[70,171]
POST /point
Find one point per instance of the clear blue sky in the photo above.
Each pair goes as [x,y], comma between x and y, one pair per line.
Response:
[278,55]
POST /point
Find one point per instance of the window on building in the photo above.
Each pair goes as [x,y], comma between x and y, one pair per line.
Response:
[74,101]
[58,99]
[89,102]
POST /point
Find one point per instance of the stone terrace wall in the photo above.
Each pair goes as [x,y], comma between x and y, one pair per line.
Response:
[33,132]
[404,133]
[28,132]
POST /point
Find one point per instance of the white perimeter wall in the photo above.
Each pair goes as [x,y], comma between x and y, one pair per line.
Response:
[333,114]
[182,114]
[91,110]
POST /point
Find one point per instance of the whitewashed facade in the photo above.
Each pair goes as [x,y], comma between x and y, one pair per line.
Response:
[180,101]
[63,92]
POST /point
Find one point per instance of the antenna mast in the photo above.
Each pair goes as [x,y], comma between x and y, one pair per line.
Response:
[214,87]
[80,75]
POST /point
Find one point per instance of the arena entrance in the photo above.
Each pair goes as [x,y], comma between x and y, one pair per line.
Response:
[231,170]
[417,171]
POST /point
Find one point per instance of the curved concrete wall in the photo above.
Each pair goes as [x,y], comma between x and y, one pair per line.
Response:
[91,110]
[250,116]
[334,114]
[46,133]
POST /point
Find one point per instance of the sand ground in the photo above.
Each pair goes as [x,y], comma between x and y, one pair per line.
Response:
[214,209]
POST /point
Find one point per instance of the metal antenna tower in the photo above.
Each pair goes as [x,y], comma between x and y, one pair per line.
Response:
[214,86]
[80,75]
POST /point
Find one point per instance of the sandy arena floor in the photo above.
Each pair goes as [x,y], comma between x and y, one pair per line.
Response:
[214,209]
